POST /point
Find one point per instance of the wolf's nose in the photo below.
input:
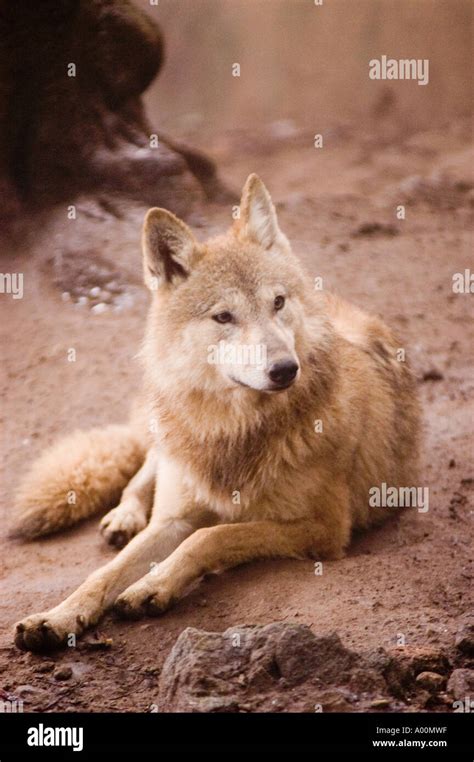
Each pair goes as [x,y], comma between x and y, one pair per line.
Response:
[283,373]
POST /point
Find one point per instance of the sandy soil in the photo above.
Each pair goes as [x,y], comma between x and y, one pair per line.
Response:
[410,579]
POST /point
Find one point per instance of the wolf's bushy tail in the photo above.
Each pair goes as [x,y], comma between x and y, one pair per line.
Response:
[80,475]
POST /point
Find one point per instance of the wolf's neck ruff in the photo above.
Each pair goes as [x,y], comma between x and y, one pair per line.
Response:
[225,438]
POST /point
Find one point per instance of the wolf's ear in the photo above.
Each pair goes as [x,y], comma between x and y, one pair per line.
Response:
[168,246]
[258,219]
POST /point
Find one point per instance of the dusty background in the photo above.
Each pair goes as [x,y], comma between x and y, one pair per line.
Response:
[303,71]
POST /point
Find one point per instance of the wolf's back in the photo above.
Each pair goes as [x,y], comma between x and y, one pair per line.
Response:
[80,475]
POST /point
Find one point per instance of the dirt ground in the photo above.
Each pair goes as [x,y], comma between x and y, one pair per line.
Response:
[410,581]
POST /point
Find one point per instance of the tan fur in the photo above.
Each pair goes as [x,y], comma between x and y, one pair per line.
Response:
[238,469]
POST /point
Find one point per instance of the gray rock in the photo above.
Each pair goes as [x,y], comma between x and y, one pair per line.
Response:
[464,641]
[222,672]
[461,683]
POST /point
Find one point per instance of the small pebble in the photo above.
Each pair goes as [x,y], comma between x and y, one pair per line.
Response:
[46,666]
[432,681]
[380,703]
[98,309]
[63,673]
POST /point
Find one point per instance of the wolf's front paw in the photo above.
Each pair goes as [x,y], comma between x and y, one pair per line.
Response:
[46,632]
[122,523]
[144,598]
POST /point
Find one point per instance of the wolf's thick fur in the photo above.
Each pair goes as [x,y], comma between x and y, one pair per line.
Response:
[80,475]
[248,460]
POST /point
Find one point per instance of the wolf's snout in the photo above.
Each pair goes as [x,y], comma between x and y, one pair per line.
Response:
[283,373]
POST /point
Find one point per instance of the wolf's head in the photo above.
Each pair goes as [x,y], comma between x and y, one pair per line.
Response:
[227,314]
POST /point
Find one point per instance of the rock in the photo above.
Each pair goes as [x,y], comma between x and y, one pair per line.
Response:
[46,666]
[424,658]
[63,673]
[405,663]
[380,703]
[286,667]
[431,681]
[335,700]
[99,308]
[461,683]
[464,641]
[367,680]
[209,671]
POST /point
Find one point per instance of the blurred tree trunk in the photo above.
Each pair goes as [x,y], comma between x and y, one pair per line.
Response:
[71,116]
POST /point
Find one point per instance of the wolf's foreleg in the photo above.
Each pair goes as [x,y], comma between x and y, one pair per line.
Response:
[85,606]
[221,547]
[132,513]
[173,519]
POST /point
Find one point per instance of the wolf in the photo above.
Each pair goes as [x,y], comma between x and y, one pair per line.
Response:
[225,462]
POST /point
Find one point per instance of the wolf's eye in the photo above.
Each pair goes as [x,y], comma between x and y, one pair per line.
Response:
[222,317]
[279,302]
